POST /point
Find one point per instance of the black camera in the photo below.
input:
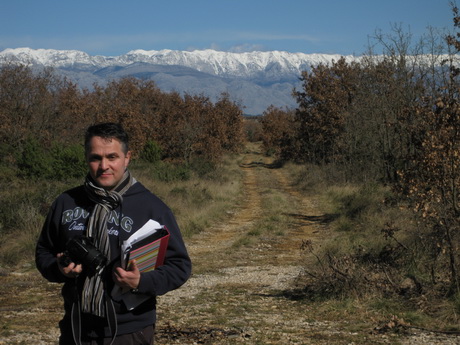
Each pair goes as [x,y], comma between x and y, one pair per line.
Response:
[81,250]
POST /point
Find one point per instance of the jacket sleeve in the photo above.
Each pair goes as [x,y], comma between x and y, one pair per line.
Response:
[48,246]
[177,265]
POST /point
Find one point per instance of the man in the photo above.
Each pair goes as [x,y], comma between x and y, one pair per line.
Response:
[108,208]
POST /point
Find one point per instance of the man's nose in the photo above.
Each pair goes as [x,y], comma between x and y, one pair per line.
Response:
[103,165]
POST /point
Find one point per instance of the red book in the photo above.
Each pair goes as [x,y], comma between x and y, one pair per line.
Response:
[150,252]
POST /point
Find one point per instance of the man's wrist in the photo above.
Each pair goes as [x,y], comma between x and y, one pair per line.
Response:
[135,289]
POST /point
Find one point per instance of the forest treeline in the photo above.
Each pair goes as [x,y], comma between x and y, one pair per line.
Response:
[43,116]
[392,119]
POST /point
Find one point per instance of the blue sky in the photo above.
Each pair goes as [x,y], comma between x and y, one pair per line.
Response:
[114,27]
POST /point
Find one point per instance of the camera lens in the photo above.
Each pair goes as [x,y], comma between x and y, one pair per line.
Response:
[81,249]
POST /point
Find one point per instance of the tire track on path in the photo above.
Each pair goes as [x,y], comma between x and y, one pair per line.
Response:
[220,237]
[269,265]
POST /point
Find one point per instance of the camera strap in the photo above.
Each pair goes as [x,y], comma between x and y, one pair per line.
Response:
[76,317]
[110,315]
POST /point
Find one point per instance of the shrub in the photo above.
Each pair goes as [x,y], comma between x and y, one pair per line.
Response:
[67,162]
[34,160]
[58,163]
[151,152]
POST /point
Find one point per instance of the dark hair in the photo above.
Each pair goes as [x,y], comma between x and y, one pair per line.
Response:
[108,130]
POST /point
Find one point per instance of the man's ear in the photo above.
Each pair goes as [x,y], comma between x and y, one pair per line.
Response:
[127,158]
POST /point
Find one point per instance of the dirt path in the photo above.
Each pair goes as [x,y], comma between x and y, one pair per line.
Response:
[234,286]
[238,293]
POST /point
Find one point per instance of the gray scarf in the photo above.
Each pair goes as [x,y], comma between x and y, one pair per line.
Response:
[93,300]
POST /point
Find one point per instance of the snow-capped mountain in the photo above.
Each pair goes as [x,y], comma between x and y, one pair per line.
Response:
[254,79]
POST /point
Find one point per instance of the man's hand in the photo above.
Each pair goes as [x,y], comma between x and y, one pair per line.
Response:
[129,278]
[70,271]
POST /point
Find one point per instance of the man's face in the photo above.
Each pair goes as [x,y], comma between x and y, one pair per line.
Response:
[106,161]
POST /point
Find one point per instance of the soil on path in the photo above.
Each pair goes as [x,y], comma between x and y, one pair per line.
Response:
[239,291]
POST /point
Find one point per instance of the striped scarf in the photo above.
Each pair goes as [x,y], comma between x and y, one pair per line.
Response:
[93,300]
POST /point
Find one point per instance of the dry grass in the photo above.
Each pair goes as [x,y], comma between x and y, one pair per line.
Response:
[246,286]
[375,251]
[198,203]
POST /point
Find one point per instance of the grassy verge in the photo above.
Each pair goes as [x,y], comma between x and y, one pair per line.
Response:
[198,201]
[376,257]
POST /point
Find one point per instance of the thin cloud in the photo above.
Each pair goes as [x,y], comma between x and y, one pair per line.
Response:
[235,41]
[247,47]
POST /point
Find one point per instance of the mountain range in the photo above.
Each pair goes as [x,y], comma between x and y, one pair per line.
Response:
[255,80]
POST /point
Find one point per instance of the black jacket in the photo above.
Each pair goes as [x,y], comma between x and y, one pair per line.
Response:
[68,217]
